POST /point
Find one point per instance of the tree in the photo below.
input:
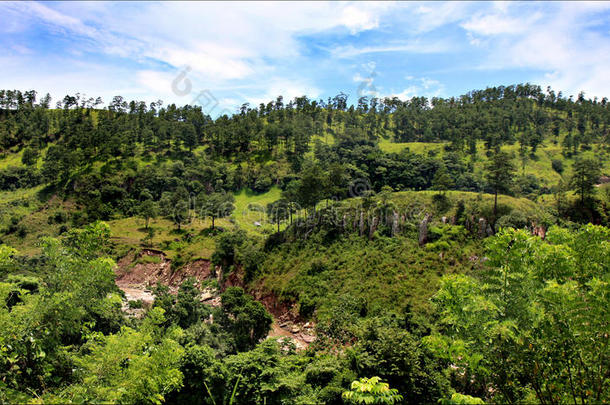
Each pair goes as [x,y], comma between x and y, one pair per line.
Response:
[371,391]
[311,186]
[500,172]
[278,212]
[535,315]
[442,180]
[586,172]
[132,366]
[184,309]
[148,239]
[246,319]
[176,206]
[30,156]
[148,210]
[216,205]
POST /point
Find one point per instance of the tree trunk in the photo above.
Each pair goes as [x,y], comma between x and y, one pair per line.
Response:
[495,205]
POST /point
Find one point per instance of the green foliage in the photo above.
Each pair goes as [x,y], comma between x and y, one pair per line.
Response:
[75,296]
[131,366]
[525,319]
[461,399]
[557,165]
[442,180]
[227,246]
[216,205]
[351,277]
[371,391]
[585,176]
[184,309]
[530,325]
[148,210]
[390,348]
[500,172]
[246,320]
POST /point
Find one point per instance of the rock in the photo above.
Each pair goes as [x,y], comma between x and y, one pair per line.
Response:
[295,329]
[308,338]
[395,223]
[423,230]
[373,227]
[482,227]
[206,295]
[489,231]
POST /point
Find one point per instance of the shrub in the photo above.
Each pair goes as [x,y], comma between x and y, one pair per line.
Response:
[441,202]
[135,304]
[557,165]
[515,219]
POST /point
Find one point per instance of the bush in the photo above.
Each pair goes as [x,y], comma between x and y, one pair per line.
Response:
[135,304]
[307,306]
[31,284]
[22,232]
[557,165]
[441,202]
[262,184]
[515,219]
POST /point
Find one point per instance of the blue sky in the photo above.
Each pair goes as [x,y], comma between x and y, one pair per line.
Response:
[234,53]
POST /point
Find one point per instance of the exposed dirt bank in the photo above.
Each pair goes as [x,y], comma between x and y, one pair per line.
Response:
[137,274]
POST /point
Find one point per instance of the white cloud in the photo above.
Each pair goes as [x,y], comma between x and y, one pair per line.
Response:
[224,44]
[500,23]
[562,43]
[420,86]
[254,52]
[357,19]
[413,46]
[289,89]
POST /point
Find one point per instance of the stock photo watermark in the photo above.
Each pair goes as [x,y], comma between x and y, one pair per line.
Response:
[182,86]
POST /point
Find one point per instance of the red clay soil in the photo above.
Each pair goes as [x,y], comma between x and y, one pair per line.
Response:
[134,274]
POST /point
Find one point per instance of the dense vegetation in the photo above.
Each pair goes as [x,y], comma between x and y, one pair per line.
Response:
[446,250]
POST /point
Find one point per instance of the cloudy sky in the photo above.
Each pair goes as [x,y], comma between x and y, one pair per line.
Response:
[221,55]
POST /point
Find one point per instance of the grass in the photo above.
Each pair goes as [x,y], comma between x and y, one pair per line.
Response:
[387,274]
[388,146]
[33,216]
[11,159]
[130,232]
[251,207]
[539,165]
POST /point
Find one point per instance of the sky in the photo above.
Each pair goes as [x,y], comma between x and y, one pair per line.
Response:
[221,55]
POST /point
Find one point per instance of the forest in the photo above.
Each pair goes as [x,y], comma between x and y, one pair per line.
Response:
[370,251]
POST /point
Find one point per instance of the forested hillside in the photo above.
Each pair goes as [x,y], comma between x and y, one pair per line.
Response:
[444,250]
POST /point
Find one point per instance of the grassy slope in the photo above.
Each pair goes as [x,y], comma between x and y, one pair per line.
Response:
[387,273]
[129,232]
[250,207]
[540,166]
[33,216]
